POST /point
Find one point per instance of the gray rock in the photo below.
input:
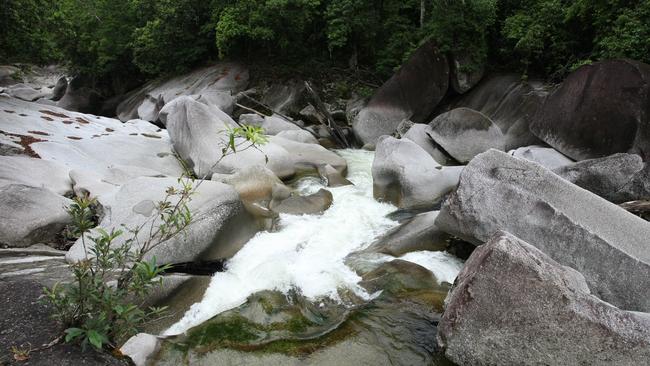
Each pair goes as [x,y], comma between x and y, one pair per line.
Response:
[412,93]
[464,133]
[287,98]
[35,173]
[617,178]
[251,119]
[220,225]
[140,347]
[402,128]
[298,136]
[215,85]
[513,305]
[310,115]
[27,92]
[418,134]
[547,157]
[273,125]
[510,103]
[332,176]
[607,244]
[313,204]
[253,183]
[599,110]
[418,233]
[30,215]
[309,156]
[79,97]
[59,89]
[405,175]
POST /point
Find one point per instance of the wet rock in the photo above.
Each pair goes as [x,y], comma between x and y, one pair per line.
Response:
[30,215]
[418,134]
[332,176]
[418,233]
[215,85]
[514,305]
[412,93]
[617,178]
[510,103]
[405,175]
[35,173]
[599,110]
[310,156]
[253,183]
[220,225]
[607,244]
[547,157]
[139,347]
[464,133]
[313,204]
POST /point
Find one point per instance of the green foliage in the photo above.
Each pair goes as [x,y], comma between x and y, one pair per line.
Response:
[26,31]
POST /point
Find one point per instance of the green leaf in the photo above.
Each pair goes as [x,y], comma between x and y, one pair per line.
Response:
[96,339]
[72,333]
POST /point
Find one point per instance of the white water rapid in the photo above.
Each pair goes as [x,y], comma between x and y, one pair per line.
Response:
[307,252]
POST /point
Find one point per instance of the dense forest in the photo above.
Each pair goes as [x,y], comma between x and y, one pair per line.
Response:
[140,39]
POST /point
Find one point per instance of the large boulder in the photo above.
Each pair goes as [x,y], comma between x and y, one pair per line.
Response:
[313,204]
[617,178]
[547,157]
[310,156]
[466,72]
[30,215]
[253,183]
[407,176]
[35,173]
[575,227]
[272,125]
[418,134]
[510,103]
[416,234]
[287,98]
[599,110]
[303,136]
[113,150]
[80,97]
[220,226]
[199,133]
[412,93]
[464,133]
[513,305]
[332,177]
[215,85]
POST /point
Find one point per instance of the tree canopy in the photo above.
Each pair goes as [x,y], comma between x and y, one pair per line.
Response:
[113,39]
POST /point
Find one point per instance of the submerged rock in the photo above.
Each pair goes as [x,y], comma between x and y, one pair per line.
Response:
[332,176]
[599,110]
[464,133]
[513,305]
[412,93]
[312,204]
[617,178]
[30,215]
[607,244]
[407,176]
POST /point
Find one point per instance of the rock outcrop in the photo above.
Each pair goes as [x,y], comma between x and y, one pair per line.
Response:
[599,110]
[464,133]
[510,103]
[407,176]
[35,173]
[30,215]
[513,305]
[412,93]
[215,85]
[607,244]
[220,225]
[547,157]
[617,178]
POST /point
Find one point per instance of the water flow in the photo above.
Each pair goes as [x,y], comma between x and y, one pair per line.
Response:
[307,252]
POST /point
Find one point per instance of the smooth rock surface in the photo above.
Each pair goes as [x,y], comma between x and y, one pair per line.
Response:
[412,93]
[216,84]
[30,215]
[407,176]
[617,178]
[332,176]
[547,157]
[298,136]
[313,204]
[513,305]
[418,134]
[607,244]
[510,103]
[35,173]
[220,225]
[599,110]
[464,133]
[310,156]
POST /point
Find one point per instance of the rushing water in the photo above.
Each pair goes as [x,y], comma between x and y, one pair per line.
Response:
[307,252]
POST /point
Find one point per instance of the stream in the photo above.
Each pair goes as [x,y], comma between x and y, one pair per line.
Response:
[307,252]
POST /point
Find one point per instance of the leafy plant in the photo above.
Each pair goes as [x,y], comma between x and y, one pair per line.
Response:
[104,305]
